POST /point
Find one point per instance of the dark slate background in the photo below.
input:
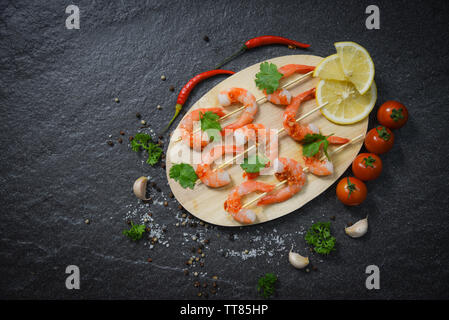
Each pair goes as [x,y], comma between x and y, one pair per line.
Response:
[57,105]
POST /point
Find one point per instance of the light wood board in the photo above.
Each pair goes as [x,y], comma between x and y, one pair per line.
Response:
[207,203]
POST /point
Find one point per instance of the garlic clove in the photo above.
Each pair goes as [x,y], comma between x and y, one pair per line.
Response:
[140,188]
[297,260]
[358,229]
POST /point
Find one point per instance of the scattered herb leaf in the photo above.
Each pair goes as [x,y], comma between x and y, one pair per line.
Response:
[135,232]
[319,236]
[254,163]
[143,140]
[383,133]
[184,174]
[312,144]
[268,77]
[265,285]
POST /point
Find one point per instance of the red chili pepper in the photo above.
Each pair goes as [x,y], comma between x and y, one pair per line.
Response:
[262,41]
[188,87]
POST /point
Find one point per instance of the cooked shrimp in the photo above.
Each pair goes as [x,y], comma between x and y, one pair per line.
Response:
[196,141]
[337,140]
[233,204]
[323,167]
[319,167]
[293,128]
[233,95]
[283,96]
[256,132]
[290,170]
[217,178]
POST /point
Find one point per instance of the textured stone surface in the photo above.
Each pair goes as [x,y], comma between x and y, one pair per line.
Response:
[57,90]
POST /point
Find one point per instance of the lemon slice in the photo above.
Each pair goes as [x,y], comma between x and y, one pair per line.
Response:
[330,69]
[345,104]
[357,65]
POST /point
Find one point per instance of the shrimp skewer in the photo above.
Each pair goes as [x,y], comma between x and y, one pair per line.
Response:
[215,178]
[248,204]
[259,101]
[233,95]
[233,204]
[258,134]
[196,141]
[291,172]
[291,126]
[319,165]
[282,96]
[279,132]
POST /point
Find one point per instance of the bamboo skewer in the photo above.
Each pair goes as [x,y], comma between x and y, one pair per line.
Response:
[258,101]
[305,170]
[224,164]
[279,132]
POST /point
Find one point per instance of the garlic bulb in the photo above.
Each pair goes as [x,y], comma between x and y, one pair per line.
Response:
[140,188]
[297,260]
[358,229]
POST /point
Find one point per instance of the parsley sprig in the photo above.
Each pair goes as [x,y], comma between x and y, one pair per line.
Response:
[209,120]
[268,77]
[254,163]
[135,232]
[143,140]
[319,236]
[313,142]
[265,285]
[184,174]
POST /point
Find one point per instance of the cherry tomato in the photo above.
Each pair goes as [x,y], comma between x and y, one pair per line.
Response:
[379,140]
[367,166]
[392,114]
[351,191]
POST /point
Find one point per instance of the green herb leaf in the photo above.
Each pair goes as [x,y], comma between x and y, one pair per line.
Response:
[268,77]
[265,285]
[184,174]
[254,163]
[143,140]
[319,236]
[135,232]
[312,144]
[383,133]
[369,162]
[396,114]
[209,120]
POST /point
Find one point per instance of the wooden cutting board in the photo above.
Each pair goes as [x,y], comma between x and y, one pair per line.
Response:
[207,203]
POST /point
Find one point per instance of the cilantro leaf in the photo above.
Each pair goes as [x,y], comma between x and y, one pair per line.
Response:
[184,174]
[313,143]
[209,120]
[143,140]
[135,232]
[265,285]
[254,163]
[268,77]
[319,236]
